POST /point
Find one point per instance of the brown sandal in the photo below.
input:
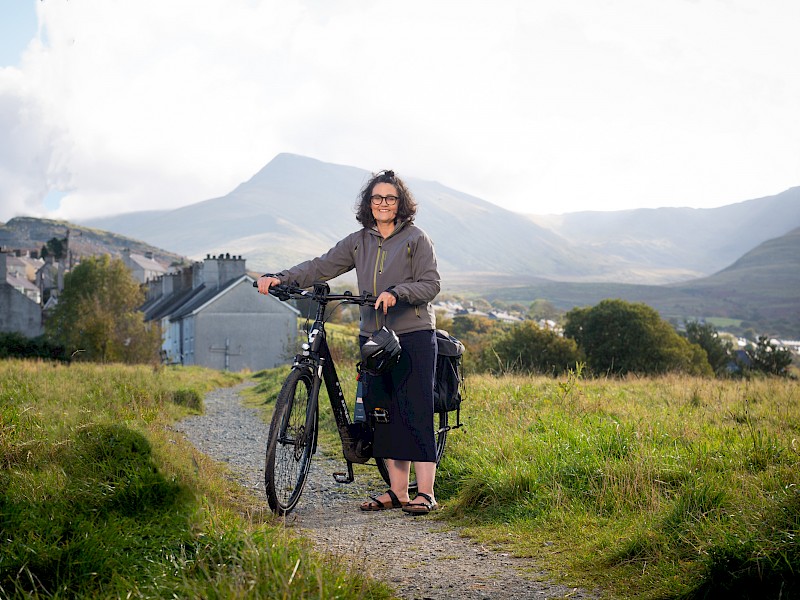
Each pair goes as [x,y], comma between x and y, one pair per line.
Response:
[375,504]
[421,508]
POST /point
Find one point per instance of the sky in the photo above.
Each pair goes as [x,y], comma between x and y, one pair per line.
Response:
[537,106]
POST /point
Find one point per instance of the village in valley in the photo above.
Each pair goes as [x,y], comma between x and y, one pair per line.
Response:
[207,311]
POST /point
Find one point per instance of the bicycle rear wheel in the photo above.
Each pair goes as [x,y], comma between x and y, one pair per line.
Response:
[290,443]
[440,429]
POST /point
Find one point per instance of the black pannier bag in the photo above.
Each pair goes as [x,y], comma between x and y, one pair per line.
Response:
[448,381]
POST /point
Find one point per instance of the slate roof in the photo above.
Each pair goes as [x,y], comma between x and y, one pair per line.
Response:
[167,305]
[184,302]
[148,264]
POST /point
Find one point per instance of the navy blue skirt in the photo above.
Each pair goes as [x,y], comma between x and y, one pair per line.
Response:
[406,392]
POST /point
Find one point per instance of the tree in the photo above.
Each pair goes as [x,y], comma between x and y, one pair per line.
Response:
[55,247]
[475,332]
[543,309]
[718,351]
[526,348]
[767,357]
[621,337]
[97,318]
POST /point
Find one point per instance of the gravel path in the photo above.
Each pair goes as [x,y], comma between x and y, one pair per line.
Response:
[420,557]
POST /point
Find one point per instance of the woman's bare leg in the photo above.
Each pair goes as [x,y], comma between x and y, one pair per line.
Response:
[398,482]
[426,474]
[398,477]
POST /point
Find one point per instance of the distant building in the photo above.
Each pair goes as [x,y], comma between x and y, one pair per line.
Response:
[210,315]
[143,266]
[50,280]
[23,265]
[19,309]
[501,315]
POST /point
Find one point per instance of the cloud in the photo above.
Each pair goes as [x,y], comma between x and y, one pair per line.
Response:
[540,108]
[29,157]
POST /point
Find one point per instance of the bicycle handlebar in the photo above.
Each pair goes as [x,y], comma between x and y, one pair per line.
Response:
[290,292]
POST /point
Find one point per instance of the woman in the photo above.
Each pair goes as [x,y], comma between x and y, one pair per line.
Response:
[395,261]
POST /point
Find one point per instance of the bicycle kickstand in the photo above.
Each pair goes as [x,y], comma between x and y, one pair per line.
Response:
[345,477]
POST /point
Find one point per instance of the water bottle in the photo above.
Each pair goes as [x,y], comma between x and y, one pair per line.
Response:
[359,415]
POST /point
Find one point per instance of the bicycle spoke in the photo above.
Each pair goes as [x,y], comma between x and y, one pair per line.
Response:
[290,445]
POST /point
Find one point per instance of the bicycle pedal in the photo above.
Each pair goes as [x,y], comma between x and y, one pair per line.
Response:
[348,477]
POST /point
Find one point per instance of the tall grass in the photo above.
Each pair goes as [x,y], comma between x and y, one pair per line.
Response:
[650,488]
[98,498]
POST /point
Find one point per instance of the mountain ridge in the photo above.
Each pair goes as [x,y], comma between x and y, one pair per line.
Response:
[297,207]
[725,233]
[760,291]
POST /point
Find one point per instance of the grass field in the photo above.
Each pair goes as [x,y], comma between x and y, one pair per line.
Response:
[646,488]
[669,487]
[99,499]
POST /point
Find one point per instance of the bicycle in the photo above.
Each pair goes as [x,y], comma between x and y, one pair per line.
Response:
[294,427]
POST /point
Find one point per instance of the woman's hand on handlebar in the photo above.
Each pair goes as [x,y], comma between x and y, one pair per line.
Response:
[386,300]
[265,282]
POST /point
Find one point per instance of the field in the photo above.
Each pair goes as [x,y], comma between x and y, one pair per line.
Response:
[647,488]
[667,487]
[99,499]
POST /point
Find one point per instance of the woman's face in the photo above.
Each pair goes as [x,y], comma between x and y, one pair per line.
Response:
[382,212]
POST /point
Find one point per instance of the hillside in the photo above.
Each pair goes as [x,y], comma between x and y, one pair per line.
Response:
[697,241]
[32,233]
[297,207]
[760,291]
[762,286]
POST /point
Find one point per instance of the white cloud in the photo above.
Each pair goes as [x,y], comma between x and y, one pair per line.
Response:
[536,106]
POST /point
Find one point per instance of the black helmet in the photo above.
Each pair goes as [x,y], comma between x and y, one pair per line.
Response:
[381,352]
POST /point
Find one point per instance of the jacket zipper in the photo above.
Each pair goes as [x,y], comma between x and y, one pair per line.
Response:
[375,278]
[411,266]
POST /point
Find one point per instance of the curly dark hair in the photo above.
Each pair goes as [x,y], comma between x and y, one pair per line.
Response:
[406,205]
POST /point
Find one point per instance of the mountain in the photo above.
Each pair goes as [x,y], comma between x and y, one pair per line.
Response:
[763,285]
[696,241]
[759,290]
[297,207]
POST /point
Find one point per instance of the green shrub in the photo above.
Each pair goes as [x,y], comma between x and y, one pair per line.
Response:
[188,397]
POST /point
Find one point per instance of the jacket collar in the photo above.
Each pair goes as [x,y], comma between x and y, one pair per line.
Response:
[401,225]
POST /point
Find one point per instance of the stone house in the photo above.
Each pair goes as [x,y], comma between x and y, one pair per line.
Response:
[210,315]
[19,312]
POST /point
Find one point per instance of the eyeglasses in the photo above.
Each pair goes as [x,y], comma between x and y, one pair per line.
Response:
[377,199]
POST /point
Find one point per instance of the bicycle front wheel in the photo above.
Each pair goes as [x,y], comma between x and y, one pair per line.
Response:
[290,444]
[440,429]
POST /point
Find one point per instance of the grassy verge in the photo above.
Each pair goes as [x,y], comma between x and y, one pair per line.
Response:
[645,488]
[99,499]
[671,487]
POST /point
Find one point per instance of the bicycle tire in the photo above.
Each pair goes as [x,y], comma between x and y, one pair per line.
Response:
[441,440]
[289,445]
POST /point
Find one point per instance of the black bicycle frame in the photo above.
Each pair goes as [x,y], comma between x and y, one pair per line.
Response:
[316,355]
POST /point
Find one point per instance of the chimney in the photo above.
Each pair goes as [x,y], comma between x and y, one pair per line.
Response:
[167,284]
[210,271]
[231,267]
